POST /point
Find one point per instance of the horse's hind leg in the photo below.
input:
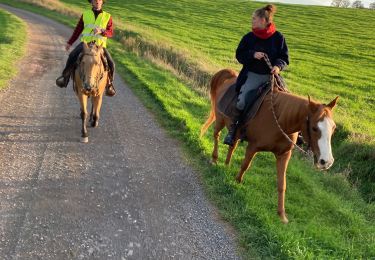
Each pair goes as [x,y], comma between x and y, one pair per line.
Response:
[219,125]
[250,153]
[281,165]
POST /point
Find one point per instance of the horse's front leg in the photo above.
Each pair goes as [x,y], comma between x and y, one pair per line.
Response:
[83,101]
[96,106]
[281,165]
[231,149]
[250,153]
[92,110]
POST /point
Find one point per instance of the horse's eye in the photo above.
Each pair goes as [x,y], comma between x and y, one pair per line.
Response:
[315,129]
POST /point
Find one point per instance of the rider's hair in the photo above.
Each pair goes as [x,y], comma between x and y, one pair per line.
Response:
[266,12]
[91,0]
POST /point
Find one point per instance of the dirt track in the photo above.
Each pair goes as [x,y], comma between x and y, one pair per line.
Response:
[128,194]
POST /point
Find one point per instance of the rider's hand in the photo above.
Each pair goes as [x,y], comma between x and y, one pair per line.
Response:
[67,46]
[275,70]
[258,55]
[98,30]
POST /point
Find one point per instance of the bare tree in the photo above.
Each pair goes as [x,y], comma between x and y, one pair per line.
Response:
[345,3]
[372,6]
[358,4]
[336,3]
[340,3]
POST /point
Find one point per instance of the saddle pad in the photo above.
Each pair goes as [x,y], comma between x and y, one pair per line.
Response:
[227,104]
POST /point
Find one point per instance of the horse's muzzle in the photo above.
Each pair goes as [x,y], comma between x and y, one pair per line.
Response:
[322,164]
[86,87]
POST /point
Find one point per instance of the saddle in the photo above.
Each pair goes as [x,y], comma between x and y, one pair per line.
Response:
[253,100]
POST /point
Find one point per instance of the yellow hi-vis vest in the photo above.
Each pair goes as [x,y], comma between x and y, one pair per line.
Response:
[90,24]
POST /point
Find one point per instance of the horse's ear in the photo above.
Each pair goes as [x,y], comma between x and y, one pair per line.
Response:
[332,104]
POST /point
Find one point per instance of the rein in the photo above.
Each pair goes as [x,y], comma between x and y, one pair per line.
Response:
[308,154]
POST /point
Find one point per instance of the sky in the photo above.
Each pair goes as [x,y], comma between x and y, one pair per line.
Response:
[314,2]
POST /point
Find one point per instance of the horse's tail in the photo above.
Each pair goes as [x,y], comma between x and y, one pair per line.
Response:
[216,81]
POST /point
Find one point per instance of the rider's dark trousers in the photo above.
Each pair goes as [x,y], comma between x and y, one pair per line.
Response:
[72,59]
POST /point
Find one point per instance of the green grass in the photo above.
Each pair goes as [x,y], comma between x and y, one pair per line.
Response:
[12,45]
[328,217]
[331,50]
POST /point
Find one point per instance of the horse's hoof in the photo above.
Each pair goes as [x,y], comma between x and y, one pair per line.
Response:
[84,140]
[284,219]
[238,179]
[213,162]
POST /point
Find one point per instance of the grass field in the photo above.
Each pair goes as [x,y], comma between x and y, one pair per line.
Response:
[329,218]
[12,45]
[331,50]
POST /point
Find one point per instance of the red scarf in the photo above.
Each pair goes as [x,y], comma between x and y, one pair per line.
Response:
[266,32]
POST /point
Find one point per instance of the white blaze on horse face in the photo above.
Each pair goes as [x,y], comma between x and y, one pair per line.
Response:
[325,159]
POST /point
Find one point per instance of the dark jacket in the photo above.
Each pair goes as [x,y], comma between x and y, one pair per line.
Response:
[275,47]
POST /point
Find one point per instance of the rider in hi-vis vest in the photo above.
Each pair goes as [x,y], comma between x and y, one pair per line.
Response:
[96,26]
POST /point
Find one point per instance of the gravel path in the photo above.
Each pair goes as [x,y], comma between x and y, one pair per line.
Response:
[128,194]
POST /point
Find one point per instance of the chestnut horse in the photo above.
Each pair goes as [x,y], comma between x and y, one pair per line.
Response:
[293,114]
[90,79]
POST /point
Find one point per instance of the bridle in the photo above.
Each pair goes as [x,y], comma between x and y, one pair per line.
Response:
[98,77]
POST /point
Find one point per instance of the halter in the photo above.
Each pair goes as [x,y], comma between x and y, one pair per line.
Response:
[98,77]
[307,153]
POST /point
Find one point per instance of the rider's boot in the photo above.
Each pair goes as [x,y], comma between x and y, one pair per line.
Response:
[63,80]
[110,90]
[300,140]
[236,122]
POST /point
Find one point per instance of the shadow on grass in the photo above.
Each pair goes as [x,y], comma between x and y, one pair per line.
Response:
[355,159]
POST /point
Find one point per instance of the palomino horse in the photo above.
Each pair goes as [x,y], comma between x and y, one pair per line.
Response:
[90,80]
[263,133]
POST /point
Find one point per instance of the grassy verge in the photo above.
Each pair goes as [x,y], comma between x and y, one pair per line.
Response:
[328,219]
[12,45]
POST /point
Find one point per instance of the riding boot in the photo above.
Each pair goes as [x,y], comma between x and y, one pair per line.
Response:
[63,80]
[230,137]
[110,90]
[300,140]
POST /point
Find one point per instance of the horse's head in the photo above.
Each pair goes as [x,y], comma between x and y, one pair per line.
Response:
[318,131]
[90,66]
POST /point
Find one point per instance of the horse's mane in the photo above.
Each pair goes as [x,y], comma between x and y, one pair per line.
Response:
[289,104]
